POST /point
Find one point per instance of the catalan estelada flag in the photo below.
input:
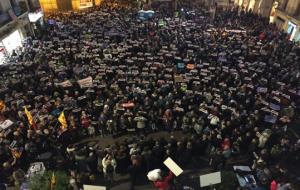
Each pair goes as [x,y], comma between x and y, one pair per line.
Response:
[29,117]
[53,181]
[16,152]
[63,121]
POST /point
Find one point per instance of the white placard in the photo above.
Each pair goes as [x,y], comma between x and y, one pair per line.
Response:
[173,166]
[242,168]
[86,83]
[93,187]
[210,179]
[36,168]
[5,124]
[66,83]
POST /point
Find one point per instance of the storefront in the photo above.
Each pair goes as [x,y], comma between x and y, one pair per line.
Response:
[12,41]
[37,21]
[291,29]
[289,24]
[2,53]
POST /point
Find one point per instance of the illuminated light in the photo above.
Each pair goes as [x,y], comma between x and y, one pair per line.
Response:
[76,4]
[98,2]
[33,17]
[81,4]
[49,5]
[251,5]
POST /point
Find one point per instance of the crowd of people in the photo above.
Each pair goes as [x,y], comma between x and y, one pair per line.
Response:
[231,83]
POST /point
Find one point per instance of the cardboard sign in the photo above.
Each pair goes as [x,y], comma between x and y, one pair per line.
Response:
[6,124]
[270,119]
[93,187]
[210,179]
[66,83]
[128,105]
[36,168]
[86,83]
[190,66]
[178,79]
[262,90]
[180,65]
[176,170]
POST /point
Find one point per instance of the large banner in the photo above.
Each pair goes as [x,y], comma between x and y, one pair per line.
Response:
[6,124]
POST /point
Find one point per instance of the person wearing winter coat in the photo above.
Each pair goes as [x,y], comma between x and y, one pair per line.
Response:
[165,183]
[109,165]
[140,122]
[263,137]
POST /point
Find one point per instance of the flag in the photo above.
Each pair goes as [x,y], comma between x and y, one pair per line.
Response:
[2,106]
[29,117]
[17,152]
[53,181]
[63,121]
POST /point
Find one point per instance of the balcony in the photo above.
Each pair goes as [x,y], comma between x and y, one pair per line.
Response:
[4,19]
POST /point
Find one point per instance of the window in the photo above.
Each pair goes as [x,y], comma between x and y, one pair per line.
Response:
[13,3]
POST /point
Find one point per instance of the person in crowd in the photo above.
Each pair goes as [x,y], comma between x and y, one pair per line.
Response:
[165,182]
[230,85]
[109,166]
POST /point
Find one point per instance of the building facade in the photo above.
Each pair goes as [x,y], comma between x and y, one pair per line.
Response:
[49,6]
[287,17]
[14,25]
[17,19]
[284,13]
[261,7]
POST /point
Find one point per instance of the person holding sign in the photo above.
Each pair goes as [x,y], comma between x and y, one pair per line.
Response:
[165,183]
[161,183]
